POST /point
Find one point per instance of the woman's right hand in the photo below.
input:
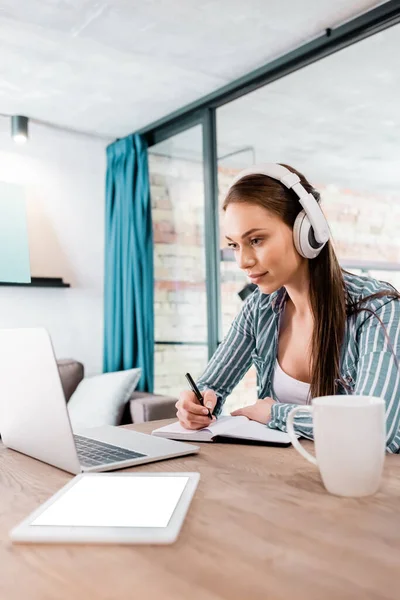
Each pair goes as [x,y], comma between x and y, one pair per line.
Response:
[191,414]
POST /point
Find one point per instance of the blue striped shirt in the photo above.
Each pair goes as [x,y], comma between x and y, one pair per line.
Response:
[367,364]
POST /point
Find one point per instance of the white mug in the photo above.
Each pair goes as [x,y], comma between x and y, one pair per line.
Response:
[350,438]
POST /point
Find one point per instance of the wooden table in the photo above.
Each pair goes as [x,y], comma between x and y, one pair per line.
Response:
[260,526]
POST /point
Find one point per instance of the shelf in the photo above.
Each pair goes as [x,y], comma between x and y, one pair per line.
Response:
[40,282]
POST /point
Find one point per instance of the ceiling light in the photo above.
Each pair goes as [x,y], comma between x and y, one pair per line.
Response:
[19,129]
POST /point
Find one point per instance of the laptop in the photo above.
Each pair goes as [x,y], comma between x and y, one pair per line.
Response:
[34,417]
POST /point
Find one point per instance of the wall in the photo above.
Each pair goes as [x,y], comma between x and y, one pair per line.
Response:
[63,175]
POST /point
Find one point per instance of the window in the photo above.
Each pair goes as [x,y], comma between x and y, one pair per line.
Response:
[177,193]
[337,122]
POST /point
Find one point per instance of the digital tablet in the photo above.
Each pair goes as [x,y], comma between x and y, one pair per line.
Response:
[112,508]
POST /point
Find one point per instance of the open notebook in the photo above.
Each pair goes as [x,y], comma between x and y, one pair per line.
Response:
[227,429]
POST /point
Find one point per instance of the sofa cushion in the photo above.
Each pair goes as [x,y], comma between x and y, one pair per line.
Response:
[71,374]
[100,400]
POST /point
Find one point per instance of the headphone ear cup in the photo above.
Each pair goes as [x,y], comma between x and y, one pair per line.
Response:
[301,236]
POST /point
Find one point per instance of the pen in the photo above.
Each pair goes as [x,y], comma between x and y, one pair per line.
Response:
[196,391]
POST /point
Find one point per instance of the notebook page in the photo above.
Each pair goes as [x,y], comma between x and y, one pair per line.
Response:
[221,425]
[253,430]
[178,428]
[225,425]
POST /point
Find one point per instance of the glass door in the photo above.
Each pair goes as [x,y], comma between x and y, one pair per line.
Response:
[180,300]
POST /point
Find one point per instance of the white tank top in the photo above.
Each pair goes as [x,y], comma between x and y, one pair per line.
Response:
[288,389]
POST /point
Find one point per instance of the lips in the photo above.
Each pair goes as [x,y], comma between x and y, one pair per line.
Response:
[255,277]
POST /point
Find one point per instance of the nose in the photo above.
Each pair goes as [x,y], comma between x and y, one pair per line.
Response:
[245,259]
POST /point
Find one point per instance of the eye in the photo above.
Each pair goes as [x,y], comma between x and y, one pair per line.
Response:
[255,241]
[232,245]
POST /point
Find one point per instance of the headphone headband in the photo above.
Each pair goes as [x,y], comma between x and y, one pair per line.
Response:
[292,181]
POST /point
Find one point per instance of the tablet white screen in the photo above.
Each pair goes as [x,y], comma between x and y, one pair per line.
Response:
[116,501]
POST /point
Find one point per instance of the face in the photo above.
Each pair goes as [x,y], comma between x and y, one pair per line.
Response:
[263,246]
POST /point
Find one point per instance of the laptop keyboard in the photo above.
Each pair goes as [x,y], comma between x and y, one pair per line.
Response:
[92,453]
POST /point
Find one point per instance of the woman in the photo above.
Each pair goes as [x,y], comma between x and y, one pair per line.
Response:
[310,328]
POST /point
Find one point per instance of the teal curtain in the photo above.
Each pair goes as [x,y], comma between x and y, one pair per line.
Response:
[128,285]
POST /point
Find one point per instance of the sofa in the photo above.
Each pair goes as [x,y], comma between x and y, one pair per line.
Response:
[141,406]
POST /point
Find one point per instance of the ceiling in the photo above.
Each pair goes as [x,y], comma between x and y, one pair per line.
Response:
[111,67]
[338,120]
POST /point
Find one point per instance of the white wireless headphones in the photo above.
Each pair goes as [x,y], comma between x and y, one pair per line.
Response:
[310,229]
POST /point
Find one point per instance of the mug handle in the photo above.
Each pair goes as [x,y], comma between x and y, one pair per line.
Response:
[293,436]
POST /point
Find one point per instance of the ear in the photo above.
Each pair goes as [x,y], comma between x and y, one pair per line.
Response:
[303,237]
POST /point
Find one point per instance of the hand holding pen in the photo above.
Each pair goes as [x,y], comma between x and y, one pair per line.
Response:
[194,409]
[197,392]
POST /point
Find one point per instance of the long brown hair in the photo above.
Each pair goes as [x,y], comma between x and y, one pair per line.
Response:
[329,300]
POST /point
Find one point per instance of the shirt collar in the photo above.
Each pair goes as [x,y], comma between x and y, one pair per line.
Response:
[277,300]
